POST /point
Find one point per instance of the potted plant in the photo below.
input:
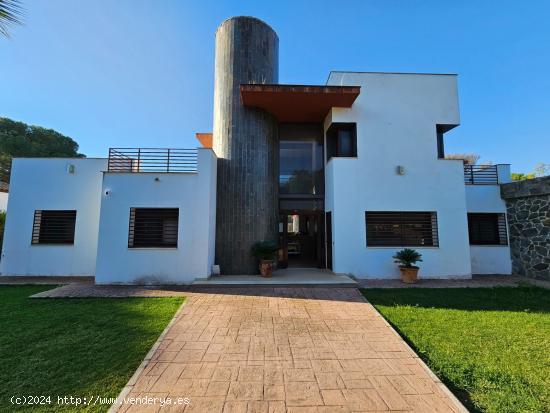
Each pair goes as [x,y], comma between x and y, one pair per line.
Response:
[265,252]
[407,258]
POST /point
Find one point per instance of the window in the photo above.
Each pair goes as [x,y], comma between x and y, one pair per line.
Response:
[440,145]
[53,227]
[440,130]
[401,229]
[342,140]
[153,228]
[487,229]
[301,161]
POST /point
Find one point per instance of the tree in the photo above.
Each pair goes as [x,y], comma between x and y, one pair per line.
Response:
[541,169]
[17,139]
[521,177]
[11,12]
[468,158]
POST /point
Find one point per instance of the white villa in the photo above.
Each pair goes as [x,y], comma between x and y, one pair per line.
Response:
[340,176]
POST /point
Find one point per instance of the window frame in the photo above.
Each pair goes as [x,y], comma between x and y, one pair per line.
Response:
[144,243]
[333,141]
[399,219]
[500,230]
[40,227]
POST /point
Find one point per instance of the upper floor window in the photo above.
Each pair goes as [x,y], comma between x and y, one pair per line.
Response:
[53,227]
[401,229]
[440,132]
[342,140]
[153,228]
[487,229]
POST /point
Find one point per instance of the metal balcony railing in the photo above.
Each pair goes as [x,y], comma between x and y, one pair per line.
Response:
[481,174]
[152,160]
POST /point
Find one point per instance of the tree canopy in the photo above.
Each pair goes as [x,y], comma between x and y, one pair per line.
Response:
[540,169]
[17,139]
[11,13]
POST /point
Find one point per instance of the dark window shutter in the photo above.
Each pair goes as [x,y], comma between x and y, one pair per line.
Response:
[53,227]
[487,229]
[397,229]
[153,228]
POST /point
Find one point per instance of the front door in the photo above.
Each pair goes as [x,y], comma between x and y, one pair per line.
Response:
[301,239]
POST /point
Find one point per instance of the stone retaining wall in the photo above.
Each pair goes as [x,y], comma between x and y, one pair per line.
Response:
[528,206]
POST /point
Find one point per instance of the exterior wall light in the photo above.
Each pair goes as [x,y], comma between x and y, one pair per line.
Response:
[400,170]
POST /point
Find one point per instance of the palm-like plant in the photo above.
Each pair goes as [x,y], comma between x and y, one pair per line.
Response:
[407,257]
[11,12]
[264,250]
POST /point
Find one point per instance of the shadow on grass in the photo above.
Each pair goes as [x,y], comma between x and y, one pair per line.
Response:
[516,299]
[482,351]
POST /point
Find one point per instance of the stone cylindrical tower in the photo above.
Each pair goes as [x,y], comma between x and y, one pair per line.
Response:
[245,141]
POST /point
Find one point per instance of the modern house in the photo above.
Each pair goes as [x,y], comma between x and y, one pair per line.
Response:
[340,175]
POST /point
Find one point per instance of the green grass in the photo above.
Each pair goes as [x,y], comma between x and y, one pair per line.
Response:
[491,346]
[78,347]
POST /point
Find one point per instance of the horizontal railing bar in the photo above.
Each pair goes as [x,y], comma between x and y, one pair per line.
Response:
[136,160]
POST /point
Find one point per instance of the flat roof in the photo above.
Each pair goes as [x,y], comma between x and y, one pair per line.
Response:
[393,73]
[298,103]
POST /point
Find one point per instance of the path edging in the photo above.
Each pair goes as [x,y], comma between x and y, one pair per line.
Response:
[132,382]
[428,370]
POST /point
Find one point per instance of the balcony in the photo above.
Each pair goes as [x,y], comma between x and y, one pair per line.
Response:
[143,160]
[486,174]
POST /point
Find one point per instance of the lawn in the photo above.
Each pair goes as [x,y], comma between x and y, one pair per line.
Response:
[491,346]
[74,347]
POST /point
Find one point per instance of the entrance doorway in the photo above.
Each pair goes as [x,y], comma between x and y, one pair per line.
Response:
[301,239]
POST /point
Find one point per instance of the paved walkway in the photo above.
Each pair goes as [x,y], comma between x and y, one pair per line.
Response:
[274,350]
[287,276]
[84,287]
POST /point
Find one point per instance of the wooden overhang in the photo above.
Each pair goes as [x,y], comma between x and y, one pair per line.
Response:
[205,139]
[298,103]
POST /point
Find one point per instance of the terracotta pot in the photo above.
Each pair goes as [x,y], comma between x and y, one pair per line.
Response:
[266,267]
[409,275]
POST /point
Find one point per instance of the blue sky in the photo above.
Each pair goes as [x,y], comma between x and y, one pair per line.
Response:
[131,73]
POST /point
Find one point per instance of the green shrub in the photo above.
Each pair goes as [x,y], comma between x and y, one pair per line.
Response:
[407,257]
[264,250]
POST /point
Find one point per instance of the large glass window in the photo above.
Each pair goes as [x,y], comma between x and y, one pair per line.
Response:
[300,167]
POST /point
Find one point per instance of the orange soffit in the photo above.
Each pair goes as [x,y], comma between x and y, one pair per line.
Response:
[298,103]
[205,139]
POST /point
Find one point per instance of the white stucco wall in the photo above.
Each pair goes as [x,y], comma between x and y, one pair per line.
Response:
[46,184]
[488,259]
[195,196]
[396,116]
[4,201]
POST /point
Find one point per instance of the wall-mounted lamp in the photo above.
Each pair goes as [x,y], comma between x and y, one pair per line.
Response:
[400,170]
[71,168]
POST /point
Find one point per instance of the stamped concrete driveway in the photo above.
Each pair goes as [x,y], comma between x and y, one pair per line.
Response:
[285,350]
